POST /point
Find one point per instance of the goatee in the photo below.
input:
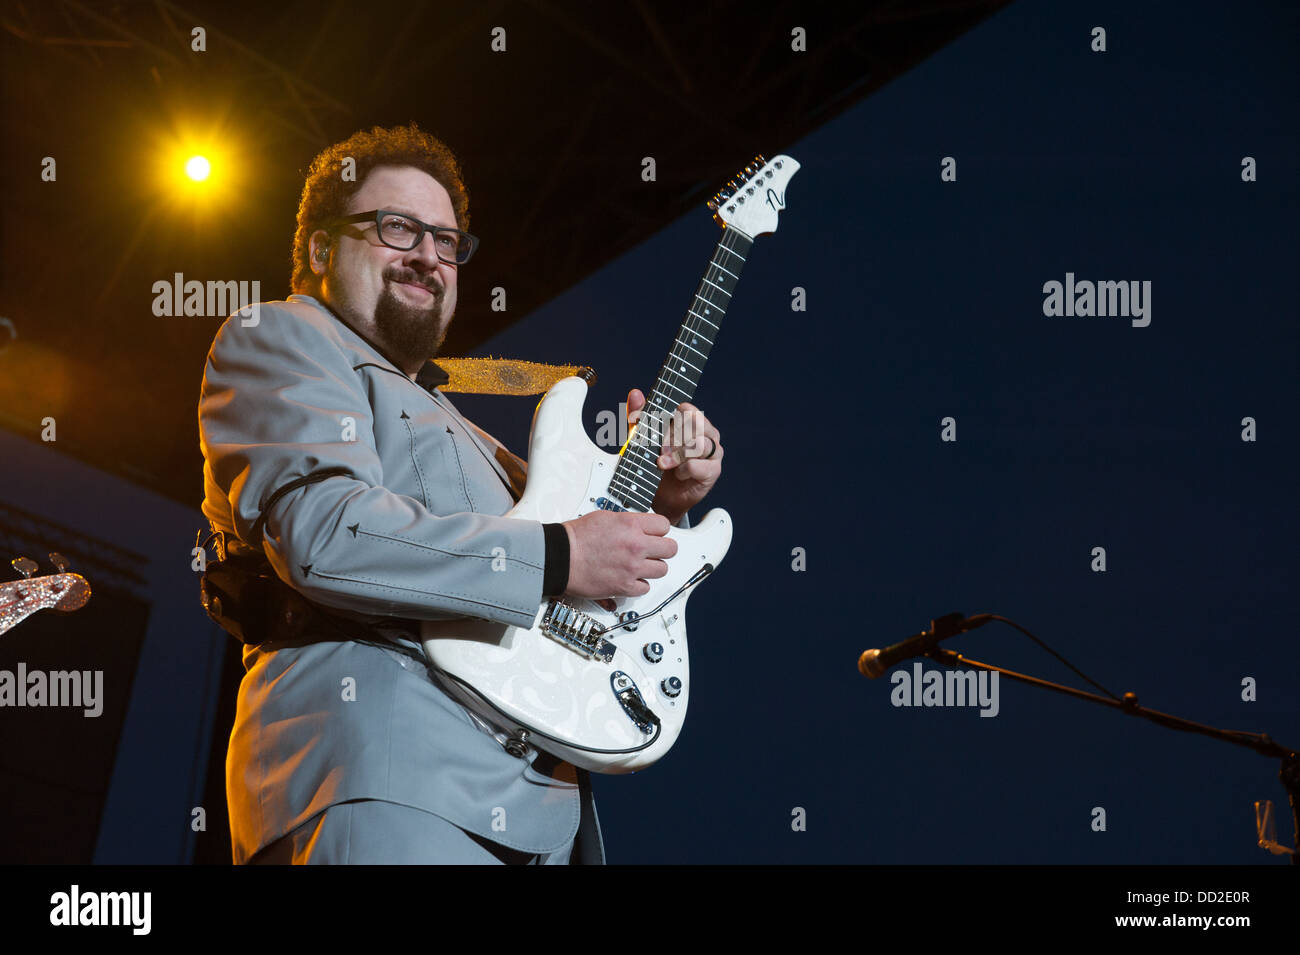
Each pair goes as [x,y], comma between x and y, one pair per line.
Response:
[413,333]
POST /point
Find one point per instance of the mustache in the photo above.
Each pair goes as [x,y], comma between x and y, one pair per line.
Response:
[414,278]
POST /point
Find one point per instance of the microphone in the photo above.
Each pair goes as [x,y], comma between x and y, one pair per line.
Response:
[874,663]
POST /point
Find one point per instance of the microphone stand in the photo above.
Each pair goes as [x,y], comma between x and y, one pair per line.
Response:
[1259,742]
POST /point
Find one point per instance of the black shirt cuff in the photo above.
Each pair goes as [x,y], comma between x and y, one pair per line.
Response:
[555,578]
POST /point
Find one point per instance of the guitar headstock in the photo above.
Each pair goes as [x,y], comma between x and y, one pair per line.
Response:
[19,599]
[752,202]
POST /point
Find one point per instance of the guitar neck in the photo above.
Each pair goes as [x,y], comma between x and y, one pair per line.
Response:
[636,479]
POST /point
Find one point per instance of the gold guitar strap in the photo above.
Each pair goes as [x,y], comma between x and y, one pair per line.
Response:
[499,376]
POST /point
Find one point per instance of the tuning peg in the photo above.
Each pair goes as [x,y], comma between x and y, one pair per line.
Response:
[24,565]
[61,563]
[759,160]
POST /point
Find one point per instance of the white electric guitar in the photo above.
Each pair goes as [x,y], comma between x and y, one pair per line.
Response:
[608,690]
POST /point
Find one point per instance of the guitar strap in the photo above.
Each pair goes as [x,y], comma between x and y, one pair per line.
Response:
[293,485]
[506,376]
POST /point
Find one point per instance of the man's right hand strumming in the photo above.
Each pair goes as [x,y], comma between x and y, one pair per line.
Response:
[614,554]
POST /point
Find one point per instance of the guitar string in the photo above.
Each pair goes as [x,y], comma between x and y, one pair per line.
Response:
[624,482]
[674,353]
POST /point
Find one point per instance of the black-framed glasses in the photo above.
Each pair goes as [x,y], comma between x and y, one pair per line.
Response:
[402,232]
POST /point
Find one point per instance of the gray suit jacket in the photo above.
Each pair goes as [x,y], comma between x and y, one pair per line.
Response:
[409,528]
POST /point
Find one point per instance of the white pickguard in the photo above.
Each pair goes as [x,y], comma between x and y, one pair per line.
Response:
[541,683]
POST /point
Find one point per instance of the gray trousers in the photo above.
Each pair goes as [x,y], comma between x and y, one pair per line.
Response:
[374,832]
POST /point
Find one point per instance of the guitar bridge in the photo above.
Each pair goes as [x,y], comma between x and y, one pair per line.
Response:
[577,631]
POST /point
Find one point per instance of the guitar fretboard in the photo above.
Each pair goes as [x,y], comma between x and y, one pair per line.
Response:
[636,479]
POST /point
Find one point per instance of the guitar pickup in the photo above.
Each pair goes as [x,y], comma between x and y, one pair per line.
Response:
[577,631]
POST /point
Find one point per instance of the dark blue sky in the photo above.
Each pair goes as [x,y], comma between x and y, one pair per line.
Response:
[925,301]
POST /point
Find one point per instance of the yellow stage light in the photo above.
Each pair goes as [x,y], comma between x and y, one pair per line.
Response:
[198,168]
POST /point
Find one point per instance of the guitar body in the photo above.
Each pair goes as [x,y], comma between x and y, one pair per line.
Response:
[538,681]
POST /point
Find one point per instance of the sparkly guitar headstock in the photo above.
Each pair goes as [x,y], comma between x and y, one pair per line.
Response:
[19,599]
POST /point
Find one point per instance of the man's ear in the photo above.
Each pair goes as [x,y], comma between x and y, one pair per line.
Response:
[318,251]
